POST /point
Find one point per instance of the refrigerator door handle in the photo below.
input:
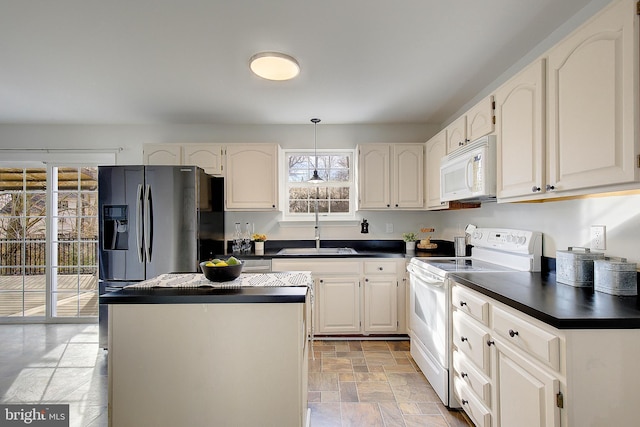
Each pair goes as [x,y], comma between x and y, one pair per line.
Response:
[148,228]
[139,229]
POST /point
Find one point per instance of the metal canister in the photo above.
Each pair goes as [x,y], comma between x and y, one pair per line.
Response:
[575,266]
[616,276]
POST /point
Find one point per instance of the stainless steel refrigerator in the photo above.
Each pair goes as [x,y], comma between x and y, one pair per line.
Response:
[155,220]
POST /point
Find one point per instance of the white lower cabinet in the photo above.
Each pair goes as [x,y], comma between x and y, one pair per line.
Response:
[527,393]
[506,366]
[337,304]
[511,369]
[353,296]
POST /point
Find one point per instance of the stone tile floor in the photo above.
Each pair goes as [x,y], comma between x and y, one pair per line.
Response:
[373,383]
[351,383]
[55,364]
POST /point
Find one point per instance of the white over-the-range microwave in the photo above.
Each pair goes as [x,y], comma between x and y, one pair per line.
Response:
[469,173]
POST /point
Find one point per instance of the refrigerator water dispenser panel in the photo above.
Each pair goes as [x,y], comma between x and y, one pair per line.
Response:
[115,227]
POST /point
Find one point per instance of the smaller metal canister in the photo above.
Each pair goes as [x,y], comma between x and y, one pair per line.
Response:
[575,266]
[616,276]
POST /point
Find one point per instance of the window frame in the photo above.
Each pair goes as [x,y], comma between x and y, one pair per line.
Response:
[284,185]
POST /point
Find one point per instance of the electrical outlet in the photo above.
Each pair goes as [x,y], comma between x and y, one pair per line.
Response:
[389,227]
[598,237]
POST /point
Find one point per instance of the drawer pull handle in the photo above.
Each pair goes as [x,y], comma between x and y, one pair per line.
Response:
[512,333]
[464,402]
[463,339]
[490,343]
[464,374]
[462,303]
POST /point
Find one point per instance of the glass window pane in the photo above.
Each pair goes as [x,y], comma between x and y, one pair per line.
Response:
[89,228]
[89,179]
[36,179]
[298,206]
[11,278]
[11,228]
[11,204]
[35,254]
[88,255]
[36,204]
[34,304]
[323,206]
[340,206]
[67,204]
[68,178]
[67,256]
[67,228]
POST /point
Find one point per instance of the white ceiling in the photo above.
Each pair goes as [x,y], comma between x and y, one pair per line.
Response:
[186,61]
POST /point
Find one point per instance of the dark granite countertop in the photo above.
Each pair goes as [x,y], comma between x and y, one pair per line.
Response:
[559,305]
[245,295]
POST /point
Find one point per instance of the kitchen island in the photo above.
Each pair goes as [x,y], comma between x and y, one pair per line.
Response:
[225,354]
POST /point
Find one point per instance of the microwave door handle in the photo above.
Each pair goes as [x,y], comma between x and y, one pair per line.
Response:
[469,174]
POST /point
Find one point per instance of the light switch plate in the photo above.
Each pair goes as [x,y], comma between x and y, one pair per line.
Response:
[389,227]
[598,237]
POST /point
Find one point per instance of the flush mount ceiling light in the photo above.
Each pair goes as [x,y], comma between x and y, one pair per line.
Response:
[274,66]
[315,179]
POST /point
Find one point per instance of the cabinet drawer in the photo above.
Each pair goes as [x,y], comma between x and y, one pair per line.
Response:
[380,267]
[479,414]
[470,303]
[327,267]
[518,331]
[477,382]
[471,339]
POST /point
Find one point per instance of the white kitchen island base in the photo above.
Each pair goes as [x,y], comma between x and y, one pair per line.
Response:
[208,364]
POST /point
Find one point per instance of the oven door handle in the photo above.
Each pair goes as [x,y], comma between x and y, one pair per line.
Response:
[428,279]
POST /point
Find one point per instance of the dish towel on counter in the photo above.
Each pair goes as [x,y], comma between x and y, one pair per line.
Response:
[197,280]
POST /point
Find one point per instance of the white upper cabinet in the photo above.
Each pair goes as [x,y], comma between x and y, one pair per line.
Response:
[593,102]
[251,177]
[475,123]
[391,176]
[457,134]
[480,119]
[374,184]
[207,156]
[162,154]
[520,133]
[435,150]
[408,175]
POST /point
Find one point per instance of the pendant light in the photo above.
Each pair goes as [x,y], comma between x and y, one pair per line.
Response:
[315,179]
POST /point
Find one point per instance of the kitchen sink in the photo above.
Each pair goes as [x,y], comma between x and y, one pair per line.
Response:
[315,251]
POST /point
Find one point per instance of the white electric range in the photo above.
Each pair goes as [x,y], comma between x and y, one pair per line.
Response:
[494,250]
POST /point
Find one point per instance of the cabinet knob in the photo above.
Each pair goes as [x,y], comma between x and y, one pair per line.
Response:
[490,343]
[321,281]
[273,206]
[550,187]
[512,333]
[462,303]
[380,268]
[396,205]
[466,140]
[464,374]
[535,189]
[460,144]
[366,280]
[388,206]
[463,339]
[464,402]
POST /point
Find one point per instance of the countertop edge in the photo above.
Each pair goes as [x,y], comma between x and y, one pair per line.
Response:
[611,319]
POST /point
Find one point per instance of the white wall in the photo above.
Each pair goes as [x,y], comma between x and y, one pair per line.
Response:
[564,223]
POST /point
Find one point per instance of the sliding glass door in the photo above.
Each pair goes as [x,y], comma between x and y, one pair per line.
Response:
[48,243]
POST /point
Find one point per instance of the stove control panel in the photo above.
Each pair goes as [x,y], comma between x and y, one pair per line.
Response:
[508,240]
